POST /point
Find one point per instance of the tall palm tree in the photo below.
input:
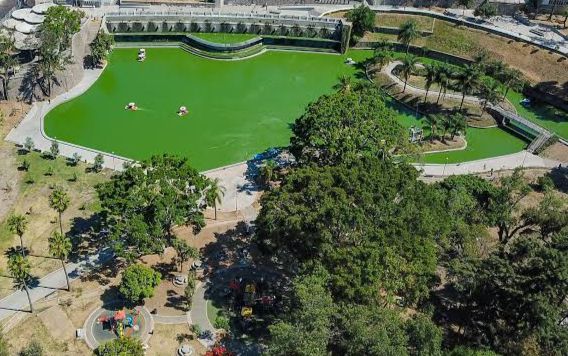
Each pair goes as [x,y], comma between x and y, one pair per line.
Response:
[17,225]
[344,84]
[468,81]
[433,121]
[59,201]
[443,78]
[489,93]
[430,76]
[511,79]
[458,123]
[214,194]
[381,58]
[60,247]
[407,33]
[408,67]
[20,270]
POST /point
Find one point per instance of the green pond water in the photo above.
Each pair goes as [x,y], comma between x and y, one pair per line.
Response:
[236,108]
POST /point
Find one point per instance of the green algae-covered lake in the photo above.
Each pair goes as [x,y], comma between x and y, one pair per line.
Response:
[236,108]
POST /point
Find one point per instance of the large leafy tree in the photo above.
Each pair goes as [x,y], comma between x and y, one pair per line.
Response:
[62,23]
[121,347]
[344,127]
[306,330]
[101,47]
[516,294]
[144,202]
[371,223]
[362,19]
[138,282]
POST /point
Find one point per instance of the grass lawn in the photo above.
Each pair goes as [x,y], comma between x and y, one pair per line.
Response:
[212,312]
[396,20]
[236,109]
[224,37]
[545,115]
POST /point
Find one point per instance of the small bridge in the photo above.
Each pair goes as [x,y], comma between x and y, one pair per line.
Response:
[536,133]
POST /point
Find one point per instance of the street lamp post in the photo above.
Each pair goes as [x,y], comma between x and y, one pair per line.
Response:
[445,164]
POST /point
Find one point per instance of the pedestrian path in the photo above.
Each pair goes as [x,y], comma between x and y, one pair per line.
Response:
[198,315]
[32,126]
[50,283]
[522,159]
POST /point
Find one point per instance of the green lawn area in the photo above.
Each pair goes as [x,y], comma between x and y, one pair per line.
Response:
[224,37]
[236,108]
[212,312]
[545,115]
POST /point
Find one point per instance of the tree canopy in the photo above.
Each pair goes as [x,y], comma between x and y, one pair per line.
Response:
[124,346]
[144,202]
[138,282]
[345,127]
[371,223]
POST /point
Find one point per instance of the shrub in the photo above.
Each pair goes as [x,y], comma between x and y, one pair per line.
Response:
[122,346]
[221,322]
[29,144]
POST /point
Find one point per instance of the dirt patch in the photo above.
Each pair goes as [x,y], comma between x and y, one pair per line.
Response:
[558,151]
[448,144]
[57,323]
[33,329]
[166,340]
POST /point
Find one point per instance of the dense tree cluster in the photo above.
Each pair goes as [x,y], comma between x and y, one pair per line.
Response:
[366,243]
[346,126]
[142,204]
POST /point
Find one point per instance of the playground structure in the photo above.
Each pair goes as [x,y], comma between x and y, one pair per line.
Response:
[141,55]
[120,322]
[250,298]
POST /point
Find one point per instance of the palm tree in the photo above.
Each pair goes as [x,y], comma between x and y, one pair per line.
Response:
[458,123]
[511,79]
[430,76]
[59,247]
[381,58]
[59,201]
[17,225]
[344,84]
[443,78]
[20,270]
[489,93]
[408,66]
[433,121]
[214,194]
[407,33]
[468,81]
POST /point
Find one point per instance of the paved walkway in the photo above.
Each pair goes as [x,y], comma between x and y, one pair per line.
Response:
[521,159]
[50,283]
[32,126]
[198,315]
[172,319]
[421,92]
